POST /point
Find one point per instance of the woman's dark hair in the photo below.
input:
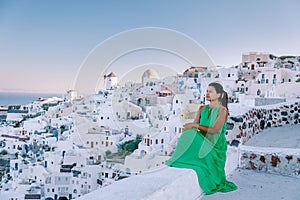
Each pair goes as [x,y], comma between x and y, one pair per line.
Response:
[224,97]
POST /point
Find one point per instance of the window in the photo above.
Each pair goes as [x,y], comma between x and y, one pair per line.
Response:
[258,92]
[162,141]
[52,189]
[262,75]
[156,141]
[267,81]
[274,75]
[228,75]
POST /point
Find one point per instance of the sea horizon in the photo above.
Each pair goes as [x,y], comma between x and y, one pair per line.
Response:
[23,98]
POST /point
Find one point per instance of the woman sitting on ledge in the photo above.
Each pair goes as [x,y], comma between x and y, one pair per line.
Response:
[202,145]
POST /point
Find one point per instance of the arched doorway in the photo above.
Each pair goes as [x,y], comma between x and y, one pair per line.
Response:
[139,102]
[62,198]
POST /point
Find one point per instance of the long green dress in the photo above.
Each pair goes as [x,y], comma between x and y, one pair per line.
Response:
[204,153]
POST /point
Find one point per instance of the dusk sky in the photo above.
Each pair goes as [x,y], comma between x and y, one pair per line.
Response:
[43,43]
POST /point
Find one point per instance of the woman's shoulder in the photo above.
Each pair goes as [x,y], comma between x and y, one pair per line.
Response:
[223,109]
[202,106]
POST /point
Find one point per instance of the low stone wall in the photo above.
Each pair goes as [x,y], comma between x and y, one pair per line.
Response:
[241,128]
[284,161]
[267,101]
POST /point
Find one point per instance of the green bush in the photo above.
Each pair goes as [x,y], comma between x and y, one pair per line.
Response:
[107,153]
[3,152]
[45,107]
[130,145]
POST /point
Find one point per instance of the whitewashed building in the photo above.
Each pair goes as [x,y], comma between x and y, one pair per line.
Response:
[111,81]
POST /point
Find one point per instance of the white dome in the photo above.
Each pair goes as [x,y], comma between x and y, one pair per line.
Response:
[149,73]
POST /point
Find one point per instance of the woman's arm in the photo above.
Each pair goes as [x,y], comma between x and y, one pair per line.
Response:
[221,119]
[197,119]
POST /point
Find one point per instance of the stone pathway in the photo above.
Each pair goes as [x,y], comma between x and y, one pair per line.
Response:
[254,185]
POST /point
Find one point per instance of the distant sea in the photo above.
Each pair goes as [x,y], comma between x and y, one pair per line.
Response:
[10,98]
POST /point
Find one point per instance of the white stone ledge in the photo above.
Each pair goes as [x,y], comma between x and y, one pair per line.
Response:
[166,183]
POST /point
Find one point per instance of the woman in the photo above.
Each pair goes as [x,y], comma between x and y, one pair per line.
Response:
[202,145]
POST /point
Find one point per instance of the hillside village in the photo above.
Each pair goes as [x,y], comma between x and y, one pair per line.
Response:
[64,148]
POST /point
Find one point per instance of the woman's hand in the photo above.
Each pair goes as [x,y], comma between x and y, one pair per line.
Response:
[190,125]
